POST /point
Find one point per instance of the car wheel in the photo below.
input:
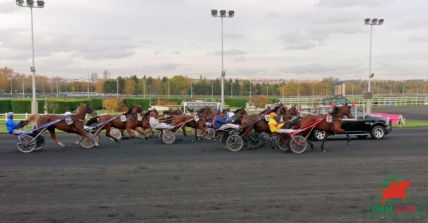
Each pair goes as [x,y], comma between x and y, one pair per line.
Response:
[319,135]
[377,132]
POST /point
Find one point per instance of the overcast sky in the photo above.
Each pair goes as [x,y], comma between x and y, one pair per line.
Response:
[306,39]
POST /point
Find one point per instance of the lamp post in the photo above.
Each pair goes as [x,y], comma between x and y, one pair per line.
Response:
[222,14]
[371,23]
[31,4]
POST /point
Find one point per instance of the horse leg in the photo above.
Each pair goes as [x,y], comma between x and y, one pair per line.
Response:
[342,131]
[310,144]
[184,130]
[196,134]
[84,134]
[323,141]
[55,139]
[108,128]
[130,133]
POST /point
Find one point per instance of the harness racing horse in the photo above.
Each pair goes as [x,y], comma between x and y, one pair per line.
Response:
[77,125]
[130,124]
[205,114]
[170,112]
[331,128]
[189,120]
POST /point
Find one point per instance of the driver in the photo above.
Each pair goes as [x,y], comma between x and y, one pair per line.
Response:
[220,123]
[154,122]
[229,116]
[11,126]
[276,127]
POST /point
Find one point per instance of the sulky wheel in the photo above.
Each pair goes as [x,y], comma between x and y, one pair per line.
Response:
[168,136]
[298,144]
[40,142]
[223,139]
[115,133]
[234,143]
[284,142]
[210,134]
[26,144]
[86,143]
[255,140]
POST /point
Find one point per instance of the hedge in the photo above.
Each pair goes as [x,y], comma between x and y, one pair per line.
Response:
[235,102]
[145,102]
[5,105]
[96,103]
[59,106]
[24,105]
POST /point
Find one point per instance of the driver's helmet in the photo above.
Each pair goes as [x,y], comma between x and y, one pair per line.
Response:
[230,114]
[272,115]
[67,114]
[10,114]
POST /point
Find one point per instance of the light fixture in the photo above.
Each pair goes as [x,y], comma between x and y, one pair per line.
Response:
[231,13]
[30,3]
[40,3]
[214,12]
[367,21]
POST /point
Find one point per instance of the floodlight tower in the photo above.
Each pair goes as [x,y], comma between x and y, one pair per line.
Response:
[32,4]
[371,23]
[222,14]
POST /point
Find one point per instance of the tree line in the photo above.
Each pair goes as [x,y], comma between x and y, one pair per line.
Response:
[12,82]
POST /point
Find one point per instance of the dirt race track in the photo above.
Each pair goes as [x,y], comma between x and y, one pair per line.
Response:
[146,181]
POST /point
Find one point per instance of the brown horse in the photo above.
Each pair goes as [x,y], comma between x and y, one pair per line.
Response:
[77,126]
[206,114]
[170,112]
[331,128]
[258,122]
[129,125]
[181,121]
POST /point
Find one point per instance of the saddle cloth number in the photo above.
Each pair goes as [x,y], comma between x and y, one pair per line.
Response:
[69,120]
[196,118]
[123,118]
[329,118]
[139,118]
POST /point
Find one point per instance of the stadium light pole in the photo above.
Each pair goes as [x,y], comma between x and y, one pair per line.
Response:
[32,4]
[222,14]
[371,23]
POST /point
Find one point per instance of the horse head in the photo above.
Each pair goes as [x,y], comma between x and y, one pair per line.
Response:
[293,112]
[342,111]
[86,109]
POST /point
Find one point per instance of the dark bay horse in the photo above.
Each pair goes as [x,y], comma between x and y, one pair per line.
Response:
[205,113]
[331,128]
[190,121]
[77,126]
[129,125]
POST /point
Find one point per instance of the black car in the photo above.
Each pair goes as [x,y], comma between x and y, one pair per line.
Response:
[362,126]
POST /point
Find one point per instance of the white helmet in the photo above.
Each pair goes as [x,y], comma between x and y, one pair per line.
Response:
[10,114]
[67,114]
